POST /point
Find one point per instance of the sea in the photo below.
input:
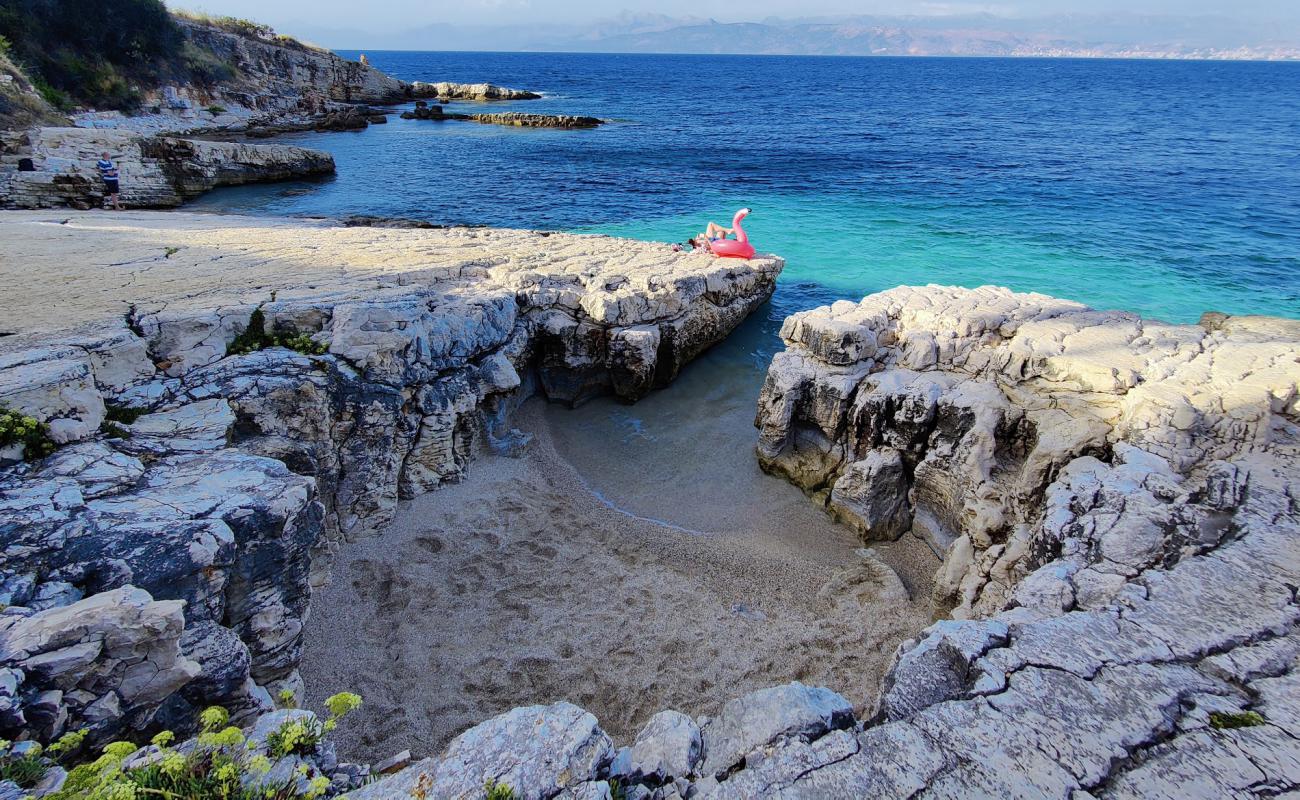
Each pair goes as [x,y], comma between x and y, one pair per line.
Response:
[1166,188]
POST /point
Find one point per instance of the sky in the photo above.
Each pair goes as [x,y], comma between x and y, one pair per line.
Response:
[394,15]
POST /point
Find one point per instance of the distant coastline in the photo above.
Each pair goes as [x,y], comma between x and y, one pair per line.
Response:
[1291,58]
[1120,36]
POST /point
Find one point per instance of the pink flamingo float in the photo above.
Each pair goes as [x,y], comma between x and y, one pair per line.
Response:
[734,248]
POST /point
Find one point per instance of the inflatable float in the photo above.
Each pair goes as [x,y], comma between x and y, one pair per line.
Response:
[734,248]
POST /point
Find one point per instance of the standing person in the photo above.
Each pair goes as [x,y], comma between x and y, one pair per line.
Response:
[112,187]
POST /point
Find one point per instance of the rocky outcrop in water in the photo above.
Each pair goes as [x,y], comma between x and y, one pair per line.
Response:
[444,90]
[287,381]
[984,406]
[48,167]
[515,119]
[518,120]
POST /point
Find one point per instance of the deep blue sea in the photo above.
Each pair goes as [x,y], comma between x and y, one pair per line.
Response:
[1162,187]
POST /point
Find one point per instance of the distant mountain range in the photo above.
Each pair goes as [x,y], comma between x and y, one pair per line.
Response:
[1101,36]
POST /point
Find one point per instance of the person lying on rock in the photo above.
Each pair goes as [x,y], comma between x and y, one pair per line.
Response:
[108,173]
[714,232]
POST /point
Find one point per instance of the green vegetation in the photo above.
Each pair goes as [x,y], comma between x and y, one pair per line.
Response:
[498,791]
[254,337]
[102,57]
[303,736]
[98,58]
[204,67]
[25,770]
[123,414]
[1221,720]
[245,28]
[28,767]
[215,110]
[236,25]
[55,97]
[31,433]
[114,431]
[116,417]
[221,765]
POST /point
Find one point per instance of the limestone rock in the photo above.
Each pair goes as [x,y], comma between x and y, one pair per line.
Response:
[537,751]
[990,399]
[120,642]
[245,471]
[157,171]
[468,91]
[669,746]
[768,715]
[871,495]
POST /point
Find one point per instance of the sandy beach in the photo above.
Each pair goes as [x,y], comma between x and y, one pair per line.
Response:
[524,585]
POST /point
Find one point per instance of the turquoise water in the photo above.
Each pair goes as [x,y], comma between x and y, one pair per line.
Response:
[846,248]
[1165,188]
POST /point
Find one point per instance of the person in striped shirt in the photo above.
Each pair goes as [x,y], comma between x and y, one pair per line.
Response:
[108,173]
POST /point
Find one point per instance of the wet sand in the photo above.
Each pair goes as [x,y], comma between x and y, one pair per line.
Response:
[622,574]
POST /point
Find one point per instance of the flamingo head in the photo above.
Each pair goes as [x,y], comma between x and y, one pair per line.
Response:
[741,214]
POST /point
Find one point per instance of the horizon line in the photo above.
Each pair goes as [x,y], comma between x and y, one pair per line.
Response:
[952,56]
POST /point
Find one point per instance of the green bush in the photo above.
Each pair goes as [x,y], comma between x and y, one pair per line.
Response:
[31,433]
[204,67]
[220,766]
[122,414]
[497,791]
[5,46]
[55,97]
[213,770]
[254,337]
[1221,720]
[215,110]
[303,736]
[26,770]
[97,58]
[114,431]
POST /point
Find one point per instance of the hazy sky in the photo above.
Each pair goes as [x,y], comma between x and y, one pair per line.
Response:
[388,15]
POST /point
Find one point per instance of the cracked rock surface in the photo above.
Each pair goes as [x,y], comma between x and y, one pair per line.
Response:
[197,492]
[1115,500]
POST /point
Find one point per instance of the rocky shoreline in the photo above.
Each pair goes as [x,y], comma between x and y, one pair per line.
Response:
[276,85]
[378,362]
[234,399]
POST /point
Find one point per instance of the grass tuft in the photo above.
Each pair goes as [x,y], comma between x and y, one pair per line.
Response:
[1222,720]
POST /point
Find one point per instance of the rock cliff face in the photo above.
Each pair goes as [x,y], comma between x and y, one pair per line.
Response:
[983,420]
[48,167]
[277,75]
[275,83]
[418,344]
